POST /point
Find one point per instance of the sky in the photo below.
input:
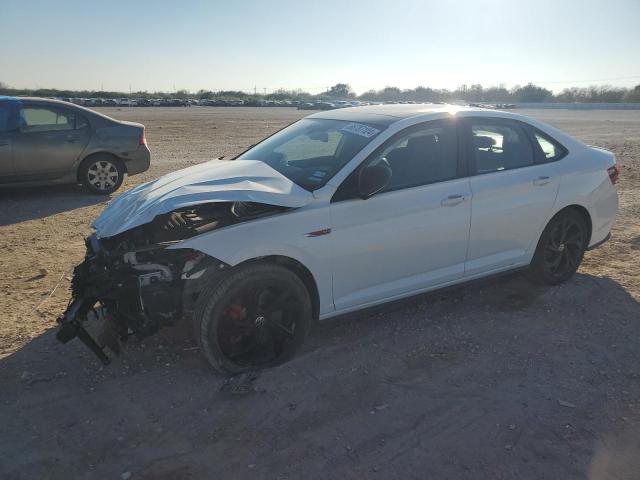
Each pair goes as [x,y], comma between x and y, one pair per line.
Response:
[164,45]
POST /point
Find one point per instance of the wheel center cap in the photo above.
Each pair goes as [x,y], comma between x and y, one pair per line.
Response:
[259,321]
[561,247]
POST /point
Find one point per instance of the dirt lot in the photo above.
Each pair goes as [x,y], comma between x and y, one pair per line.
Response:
[498,380]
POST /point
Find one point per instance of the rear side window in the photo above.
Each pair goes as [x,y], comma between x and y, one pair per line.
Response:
[43,119]
[498,146]
[551,149]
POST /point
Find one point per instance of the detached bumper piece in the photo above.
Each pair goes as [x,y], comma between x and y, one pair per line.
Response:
[71,327]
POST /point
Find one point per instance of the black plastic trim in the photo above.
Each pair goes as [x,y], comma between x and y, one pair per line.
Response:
[600,242]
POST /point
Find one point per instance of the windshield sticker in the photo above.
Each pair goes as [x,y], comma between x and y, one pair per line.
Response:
[360,129]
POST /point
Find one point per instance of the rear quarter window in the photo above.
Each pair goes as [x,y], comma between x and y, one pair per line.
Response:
[551,149]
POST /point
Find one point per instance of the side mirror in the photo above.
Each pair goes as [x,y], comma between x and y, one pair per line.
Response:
[372,179]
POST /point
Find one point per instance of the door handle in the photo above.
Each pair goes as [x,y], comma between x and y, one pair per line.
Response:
[540,181]
[3,144]
[453,200]
[71,138]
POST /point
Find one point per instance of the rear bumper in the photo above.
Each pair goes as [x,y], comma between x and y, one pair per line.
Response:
[139,161]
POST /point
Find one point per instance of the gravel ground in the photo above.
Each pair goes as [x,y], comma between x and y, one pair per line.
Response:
[494,380]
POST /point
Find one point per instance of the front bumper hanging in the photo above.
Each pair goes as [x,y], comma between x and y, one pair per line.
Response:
[71,327]
[130,292]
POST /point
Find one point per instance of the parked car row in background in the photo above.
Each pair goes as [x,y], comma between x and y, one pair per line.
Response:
[322,104]
[127,102]
[176,102]
[205,102]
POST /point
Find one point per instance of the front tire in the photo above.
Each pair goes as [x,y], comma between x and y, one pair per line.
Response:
[256,317]
[560,249]
[102,174]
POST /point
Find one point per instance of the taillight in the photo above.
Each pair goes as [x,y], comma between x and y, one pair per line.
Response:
[614,174]
[143,140]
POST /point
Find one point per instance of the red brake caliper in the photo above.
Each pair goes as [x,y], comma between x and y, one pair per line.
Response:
[237,313]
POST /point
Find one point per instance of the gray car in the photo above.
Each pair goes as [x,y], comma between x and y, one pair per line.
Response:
[46,141]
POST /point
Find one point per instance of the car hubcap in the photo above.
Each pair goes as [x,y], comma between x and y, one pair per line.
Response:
[256,327]
[564,247]
[102,175]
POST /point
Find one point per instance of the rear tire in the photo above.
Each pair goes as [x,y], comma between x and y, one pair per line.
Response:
[101,173]
[256,317]
[560,249]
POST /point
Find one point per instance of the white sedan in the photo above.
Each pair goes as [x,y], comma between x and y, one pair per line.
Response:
[340,211]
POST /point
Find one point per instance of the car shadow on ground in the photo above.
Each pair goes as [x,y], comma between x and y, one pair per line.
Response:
[515,293]
[502,378]
[29,203]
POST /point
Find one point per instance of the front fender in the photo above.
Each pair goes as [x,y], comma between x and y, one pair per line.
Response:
[282,235]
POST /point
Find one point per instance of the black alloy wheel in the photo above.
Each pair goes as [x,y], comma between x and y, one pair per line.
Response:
[255,317]
[560,249]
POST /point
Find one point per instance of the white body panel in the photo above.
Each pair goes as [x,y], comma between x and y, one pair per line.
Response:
[582,182]
[283,235]
[394,244]
[398,242]
[509,208]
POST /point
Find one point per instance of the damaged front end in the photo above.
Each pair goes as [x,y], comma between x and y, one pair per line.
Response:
[135,285]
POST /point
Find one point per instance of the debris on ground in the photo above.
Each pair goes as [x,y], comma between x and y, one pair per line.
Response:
[43,272]
[240,384]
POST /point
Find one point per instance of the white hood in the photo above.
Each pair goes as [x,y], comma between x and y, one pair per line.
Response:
[214,181]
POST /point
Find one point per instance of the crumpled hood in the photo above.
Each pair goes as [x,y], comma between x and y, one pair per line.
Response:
[214,181]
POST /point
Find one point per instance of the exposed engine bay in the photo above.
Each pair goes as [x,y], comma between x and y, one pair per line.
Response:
[135,285]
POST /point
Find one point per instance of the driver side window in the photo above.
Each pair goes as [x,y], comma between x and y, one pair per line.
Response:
[422,155]
[418,155]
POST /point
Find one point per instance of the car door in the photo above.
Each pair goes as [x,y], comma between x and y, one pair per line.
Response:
[49,141]
[513,192]
[6,156]
[413,234]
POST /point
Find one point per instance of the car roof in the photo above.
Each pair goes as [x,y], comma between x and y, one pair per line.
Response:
[389,114]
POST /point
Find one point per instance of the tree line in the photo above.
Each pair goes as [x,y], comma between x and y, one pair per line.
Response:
[529,93]
[476,93]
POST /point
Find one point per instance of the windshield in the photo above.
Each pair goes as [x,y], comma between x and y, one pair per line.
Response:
[312,150]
